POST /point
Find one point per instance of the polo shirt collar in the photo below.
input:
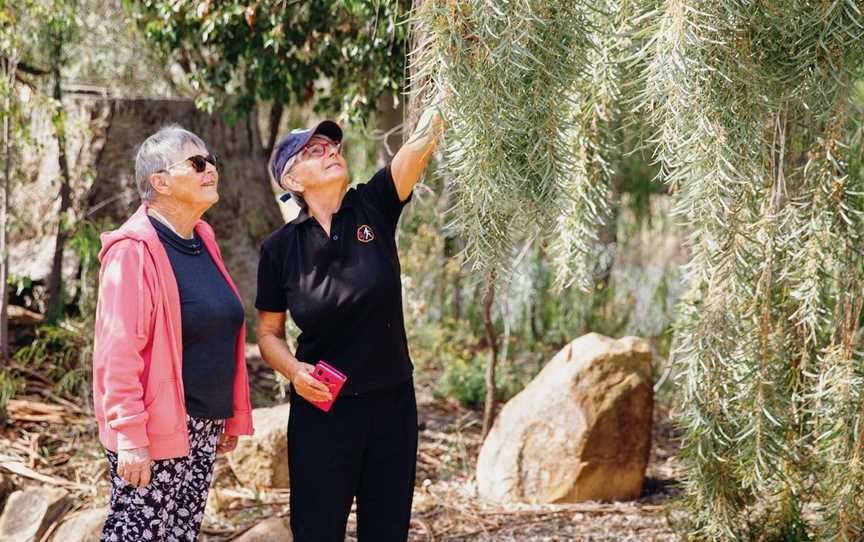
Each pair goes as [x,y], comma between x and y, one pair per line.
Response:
[347,203]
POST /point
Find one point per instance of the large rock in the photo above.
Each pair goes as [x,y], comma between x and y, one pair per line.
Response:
[581,430]
[84,526]
[28,513]
[269,530]
[262,460]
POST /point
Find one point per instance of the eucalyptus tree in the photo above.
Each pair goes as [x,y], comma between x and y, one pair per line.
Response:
[59,27]
[338,55]
[34,37]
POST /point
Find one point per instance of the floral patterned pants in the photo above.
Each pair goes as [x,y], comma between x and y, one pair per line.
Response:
[171,507]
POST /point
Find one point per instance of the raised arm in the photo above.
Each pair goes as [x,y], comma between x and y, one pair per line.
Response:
[411,160]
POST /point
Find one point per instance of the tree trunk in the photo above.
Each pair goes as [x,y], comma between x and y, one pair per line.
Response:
[608,236]
[246,212]
[54,304]
[492,339]
[451,249]
[456,305]
[534,316]
[274,120]
[9,75]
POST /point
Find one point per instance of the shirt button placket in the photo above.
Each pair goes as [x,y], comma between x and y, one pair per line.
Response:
[334,227]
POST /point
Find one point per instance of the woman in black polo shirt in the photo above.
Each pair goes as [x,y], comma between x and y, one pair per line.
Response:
[335,268]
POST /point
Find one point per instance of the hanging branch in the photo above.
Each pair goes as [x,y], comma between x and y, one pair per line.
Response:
[507,71]
[750,103]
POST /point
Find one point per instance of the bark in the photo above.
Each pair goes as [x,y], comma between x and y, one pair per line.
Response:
[608,236]
[54,304]
[456,306]
[451,249]
[9,74]
[538,298]
[275,119]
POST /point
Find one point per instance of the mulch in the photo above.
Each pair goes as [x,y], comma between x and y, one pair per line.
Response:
[52,441]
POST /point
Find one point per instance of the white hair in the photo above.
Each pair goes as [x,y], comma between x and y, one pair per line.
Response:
[159,151]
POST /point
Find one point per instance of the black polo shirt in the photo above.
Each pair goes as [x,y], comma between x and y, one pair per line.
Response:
[343,291]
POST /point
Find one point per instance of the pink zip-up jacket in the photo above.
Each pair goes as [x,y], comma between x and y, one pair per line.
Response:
[137,356]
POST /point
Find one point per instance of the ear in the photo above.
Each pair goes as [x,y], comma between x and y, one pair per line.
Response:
[289,182]
[159,182]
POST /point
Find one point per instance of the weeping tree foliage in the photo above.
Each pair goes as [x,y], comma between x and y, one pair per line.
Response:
[528,107]
[531,90]
[534,97]
[758,136]
[599,100]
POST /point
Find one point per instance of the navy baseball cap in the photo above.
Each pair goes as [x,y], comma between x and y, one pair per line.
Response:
[290,145]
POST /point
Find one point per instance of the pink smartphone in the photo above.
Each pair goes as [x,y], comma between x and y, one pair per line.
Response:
[331,378]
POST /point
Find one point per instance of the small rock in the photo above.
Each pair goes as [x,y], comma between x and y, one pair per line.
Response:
[28,513]
[84,526]
[269,530]
[262,459]
[216,502]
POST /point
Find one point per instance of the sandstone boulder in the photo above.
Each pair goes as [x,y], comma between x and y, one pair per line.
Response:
[581,430]
[269,530]
[84,526]
[28,513]
[262,459]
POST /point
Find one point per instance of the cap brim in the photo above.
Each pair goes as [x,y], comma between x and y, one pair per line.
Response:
[329,129]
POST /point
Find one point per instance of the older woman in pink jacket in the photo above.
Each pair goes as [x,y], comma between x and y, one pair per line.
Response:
[169,371]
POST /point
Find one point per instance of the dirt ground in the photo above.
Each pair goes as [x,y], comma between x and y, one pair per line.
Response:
[60,446]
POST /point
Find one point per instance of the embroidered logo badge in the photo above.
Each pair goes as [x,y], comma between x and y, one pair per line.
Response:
[365,234]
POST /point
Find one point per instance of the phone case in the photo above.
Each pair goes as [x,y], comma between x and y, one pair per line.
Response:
[331,378]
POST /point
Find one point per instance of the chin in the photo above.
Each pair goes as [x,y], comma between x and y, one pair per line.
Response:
[209,199]
[338,175]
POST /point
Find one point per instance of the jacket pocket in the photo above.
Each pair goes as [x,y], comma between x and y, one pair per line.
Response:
[164,410]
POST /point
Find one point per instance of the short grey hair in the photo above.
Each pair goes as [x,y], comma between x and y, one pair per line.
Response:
[298,199]
[159,151]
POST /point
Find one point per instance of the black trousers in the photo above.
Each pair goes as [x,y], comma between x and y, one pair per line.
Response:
[366,446]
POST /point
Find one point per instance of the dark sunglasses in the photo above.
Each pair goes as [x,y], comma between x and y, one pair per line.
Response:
[198,162]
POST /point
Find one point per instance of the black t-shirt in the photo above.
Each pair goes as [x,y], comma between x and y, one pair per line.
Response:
[344,291]
[210,318]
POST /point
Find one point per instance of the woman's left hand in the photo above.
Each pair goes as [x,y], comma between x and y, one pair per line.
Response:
[226,443]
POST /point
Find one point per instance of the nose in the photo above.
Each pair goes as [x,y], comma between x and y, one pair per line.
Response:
[211,170]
